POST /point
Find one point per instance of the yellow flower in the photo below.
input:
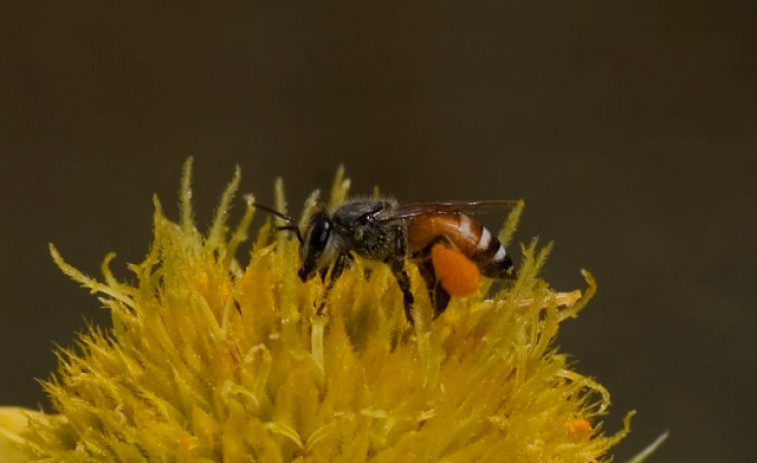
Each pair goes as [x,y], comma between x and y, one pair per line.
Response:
[211,360]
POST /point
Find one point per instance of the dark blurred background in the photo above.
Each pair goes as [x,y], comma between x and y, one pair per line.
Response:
[628,127]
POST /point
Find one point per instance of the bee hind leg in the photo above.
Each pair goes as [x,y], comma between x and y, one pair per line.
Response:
[436,292]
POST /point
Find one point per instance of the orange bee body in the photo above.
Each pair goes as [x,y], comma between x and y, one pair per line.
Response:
[459,229]
[461,232]
[453,250]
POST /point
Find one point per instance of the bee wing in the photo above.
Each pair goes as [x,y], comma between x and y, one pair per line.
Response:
[409,210]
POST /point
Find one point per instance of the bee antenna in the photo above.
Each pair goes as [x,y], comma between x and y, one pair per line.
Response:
[291,226]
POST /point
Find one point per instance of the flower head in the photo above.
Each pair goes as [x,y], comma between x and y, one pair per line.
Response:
[211,360]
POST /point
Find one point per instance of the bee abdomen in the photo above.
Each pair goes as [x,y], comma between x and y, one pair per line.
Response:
[492,257]
[470,237]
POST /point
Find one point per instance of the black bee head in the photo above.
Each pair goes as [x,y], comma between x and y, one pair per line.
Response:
[314,245]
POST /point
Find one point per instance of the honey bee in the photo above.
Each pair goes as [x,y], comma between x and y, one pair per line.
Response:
[390,232]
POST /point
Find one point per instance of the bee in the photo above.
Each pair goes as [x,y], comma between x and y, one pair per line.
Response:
[381,229]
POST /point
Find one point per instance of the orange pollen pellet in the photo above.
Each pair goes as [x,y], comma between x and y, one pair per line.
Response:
[457,274]
[578,427]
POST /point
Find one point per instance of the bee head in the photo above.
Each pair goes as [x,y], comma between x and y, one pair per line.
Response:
[317,246]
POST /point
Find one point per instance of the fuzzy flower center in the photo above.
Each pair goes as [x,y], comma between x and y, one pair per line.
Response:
[209,360]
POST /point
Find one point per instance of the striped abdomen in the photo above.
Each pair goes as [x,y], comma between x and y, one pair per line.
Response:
[467,235]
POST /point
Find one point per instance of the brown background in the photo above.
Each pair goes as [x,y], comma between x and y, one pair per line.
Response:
[629,128]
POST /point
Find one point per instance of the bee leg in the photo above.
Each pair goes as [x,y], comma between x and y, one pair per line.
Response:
[436,292]
[342,260]
[404,281]
[439,296]
[397,264]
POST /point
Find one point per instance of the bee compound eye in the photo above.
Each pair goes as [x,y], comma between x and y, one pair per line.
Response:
[320,233]
[314,245]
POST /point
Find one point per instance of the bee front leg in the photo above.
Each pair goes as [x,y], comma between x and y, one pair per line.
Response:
[397,265]
[341,262]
